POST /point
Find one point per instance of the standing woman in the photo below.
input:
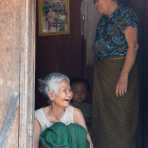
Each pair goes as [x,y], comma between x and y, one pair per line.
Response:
[115,92]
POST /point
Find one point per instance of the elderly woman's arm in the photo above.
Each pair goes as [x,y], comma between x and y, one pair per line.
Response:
[122,83]
[37,130]
[78,118]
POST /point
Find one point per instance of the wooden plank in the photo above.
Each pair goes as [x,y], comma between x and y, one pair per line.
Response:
[17,52]
[27,74]
[9,73]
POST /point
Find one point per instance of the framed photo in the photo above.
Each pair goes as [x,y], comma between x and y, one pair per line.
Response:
[54,17]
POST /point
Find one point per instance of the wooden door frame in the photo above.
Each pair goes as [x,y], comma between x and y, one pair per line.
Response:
[17,76]
[27,77]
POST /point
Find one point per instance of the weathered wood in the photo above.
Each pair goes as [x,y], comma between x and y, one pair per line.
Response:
[27,78]
[17,52]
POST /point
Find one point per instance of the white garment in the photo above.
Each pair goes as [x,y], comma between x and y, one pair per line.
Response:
[67,118]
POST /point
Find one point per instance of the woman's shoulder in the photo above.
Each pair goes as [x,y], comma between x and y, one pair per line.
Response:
[77,112]
[40,116]
[41,110]
[78,117]
[127,12]
[75,109]
[126,17]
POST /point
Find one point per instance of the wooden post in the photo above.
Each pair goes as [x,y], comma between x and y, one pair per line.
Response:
[17,72]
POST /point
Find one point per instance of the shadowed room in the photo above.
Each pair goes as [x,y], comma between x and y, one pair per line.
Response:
[58,88]
[71,53]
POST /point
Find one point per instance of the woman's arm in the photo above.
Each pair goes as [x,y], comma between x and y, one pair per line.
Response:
[37,130]
[78,118]
[131,37]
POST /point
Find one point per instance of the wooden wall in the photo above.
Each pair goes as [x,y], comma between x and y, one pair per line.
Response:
[17,52]
[60,53]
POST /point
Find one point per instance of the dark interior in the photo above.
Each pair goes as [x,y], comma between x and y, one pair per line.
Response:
[67,54]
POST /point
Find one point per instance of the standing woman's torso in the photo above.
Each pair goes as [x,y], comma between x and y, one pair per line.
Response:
[110,40]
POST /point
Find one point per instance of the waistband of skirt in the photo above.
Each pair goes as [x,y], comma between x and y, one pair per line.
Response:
[117,58]
[113,58]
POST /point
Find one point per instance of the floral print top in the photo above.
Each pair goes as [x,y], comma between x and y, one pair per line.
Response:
[110,40]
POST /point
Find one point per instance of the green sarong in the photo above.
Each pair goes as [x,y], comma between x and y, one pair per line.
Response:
[115,119]
[60,135]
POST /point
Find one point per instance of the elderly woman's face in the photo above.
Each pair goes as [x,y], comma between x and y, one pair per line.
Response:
[102,6]
[64,94]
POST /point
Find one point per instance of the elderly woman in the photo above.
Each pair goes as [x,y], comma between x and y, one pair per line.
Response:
[59,125]
[115,92]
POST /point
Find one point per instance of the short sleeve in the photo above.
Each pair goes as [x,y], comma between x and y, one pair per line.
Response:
[128,18]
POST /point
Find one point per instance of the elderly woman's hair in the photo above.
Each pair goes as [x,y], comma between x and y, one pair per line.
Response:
[51,82]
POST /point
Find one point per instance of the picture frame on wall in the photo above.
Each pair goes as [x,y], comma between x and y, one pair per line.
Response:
[54,17]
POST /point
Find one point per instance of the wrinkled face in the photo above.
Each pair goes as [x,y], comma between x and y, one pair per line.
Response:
[102,6]
[64,94]
[79,92]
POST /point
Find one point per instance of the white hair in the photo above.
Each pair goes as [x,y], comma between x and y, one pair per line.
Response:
[52,82]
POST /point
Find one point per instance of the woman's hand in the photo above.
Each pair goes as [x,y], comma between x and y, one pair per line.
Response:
[122,85]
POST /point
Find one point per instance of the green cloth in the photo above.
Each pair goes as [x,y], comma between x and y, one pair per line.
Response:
[60,135]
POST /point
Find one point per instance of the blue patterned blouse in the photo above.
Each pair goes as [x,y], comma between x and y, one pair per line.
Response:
[110,40]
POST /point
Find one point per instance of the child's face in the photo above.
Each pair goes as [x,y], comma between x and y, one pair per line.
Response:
[64,94]
[79,92]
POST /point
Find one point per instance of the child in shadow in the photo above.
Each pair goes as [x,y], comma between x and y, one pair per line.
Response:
[81,100]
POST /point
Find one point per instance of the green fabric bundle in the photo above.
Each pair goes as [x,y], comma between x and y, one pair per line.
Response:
[60,135]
